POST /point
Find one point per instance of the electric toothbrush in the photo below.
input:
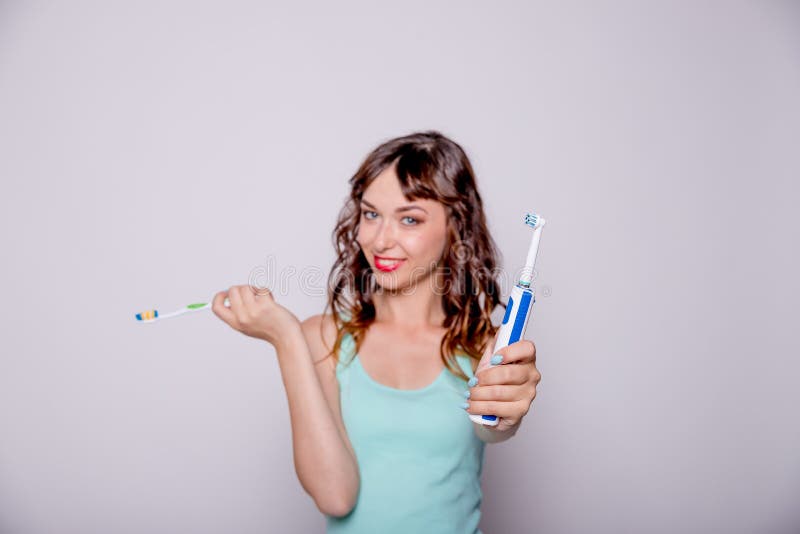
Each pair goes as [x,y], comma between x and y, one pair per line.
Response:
[520,305]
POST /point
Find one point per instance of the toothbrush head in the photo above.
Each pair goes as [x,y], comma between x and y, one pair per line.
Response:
[533,220]
[149,315]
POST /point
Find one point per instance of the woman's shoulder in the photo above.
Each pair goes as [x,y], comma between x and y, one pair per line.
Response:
[325,319]
[320,333]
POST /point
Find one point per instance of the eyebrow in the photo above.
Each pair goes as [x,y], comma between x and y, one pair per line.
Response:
[398,210]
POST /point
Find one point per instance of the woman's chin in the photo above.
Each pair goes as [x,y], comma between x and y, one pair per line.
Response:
[405,280]
[391,281]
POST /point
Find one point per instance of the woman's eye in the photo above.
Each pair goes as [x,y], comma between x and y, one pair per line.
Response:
[407,220]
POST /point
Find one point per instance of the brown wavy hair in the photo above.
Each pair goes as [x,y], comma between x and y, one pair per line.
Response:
[428,166]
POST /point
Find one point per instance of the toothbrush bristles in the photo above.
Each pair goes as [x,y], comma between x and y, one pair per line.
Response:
[149,315]
[531,219]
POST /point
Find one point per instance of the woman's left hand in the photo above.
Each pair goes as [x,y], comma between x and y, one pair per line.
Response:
[506,388]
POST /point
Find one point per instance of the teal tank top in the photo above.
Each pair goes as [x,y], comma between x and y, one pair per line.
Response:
[418,456]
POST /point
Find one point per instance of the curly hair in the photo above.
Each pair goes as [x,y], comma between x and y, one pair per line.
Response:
[428,166]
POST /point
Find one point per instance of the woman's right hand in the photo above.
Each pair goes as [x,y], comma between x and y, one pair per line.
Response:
[256,314]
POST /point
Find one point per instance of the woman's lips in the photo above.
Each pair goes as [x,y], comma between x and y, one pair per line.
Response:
[386,265]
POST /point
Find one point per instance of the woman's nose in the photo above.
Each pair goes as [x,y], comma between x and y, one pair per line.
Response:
[384,239]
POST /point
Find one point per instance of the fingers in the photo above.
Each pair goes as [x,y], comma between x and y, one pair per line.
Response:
[248,297]
[522,351]
[259,291]
[512,411]
[508,375]
[237,313]
[234,295]
[255,315]
[502,393]
[222,311]
[504,390]
[259,297]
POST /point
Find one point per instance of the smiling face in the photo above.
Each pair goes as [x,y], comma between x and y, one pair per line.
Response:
[402,240]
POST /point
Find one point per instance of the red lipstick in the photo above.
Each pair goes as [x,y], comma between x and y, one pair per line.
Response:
[381,263]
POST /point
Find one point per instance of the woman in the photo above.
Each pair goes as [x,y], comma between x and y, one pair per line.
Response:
[377,388]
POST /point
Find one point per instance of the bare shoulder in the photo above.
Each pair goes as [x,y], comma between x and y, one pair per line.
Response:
[320,333]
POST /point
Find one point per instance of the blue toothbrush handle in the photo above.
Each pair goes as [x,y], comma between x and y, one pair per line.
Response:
[512,329]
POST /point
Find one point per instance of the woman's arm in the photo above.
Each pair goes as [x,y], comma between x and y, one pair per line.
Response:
[323,456]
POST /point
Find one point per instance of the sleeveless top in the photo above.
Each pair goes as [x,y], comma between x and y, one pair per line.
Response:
[419,459]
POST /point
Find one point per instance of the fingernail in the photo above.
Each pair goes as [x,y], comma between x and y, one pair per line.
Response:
[465,405]
[473,381]
[497,358]
[467,394]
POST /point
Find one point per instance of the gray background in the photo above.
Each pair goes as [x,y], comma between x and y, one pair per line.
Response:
[155,153]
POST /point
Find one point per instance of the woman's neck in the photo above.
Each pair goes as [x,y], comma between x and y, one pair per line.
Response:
[420,308]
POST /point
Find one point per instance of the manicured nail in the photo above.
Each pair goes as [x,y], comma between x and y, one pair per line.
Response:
[467,394]
[473,381]
[465,405]
[497,358]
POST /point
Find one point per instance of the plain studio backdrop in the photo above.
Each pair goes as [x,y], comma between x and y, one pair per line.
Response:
[152,154]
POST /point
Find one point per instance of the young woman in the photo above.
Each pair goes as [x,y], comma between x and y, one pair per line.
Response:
[377,389]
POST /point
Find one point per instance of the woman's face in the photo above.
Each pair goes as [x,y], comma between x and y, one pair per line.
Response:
[403,241]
